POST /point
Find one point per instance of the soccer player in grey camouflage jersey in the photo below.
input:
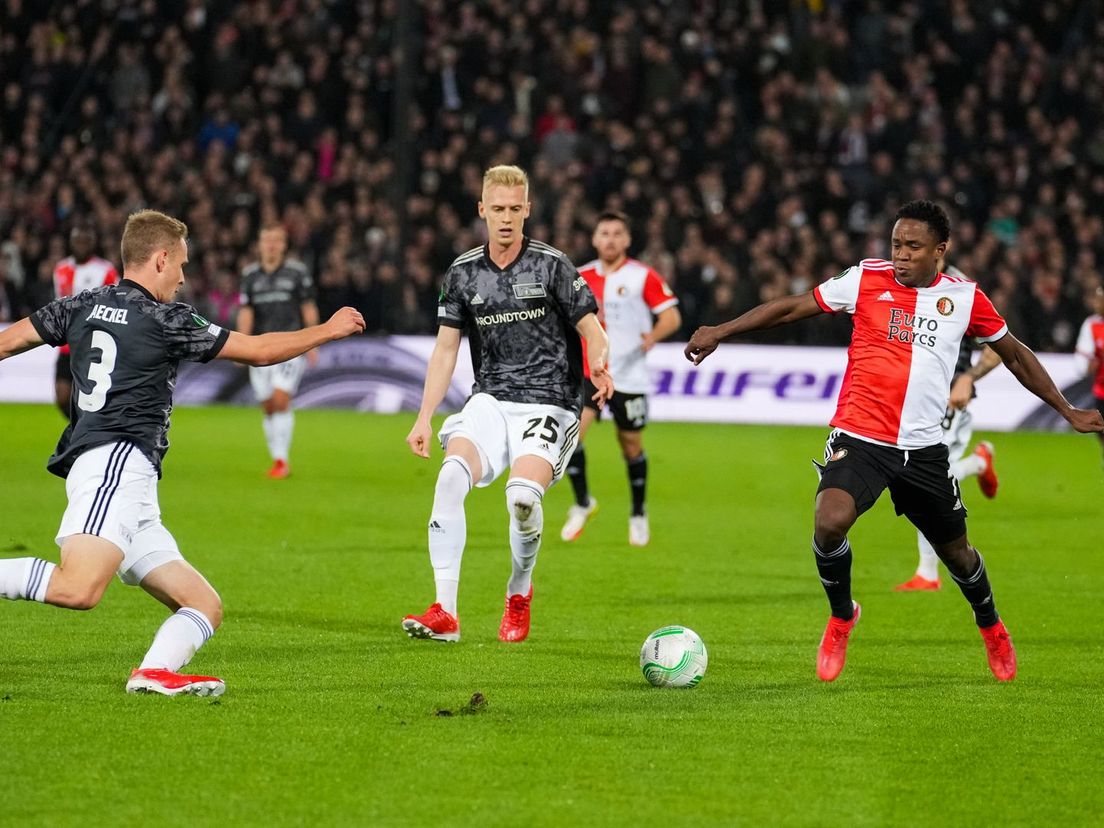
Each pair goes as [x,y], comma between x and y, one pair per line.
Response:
[523,306]
[126,342]
[277,294]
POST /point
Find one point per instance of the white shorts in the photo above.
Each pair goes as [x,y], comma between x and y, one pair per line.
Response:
[505,431]
[112,494]
[958,429]
[285,377]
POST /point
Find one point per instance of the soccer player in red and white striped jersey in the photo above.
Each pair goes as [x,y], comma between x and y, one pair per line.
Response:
[1090,347]
[909,320]
[637,309]
[76,273]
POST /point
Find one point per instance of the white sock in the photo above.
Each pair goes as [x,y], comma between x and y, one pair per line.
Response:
[25,578]
[523,499]
[968,466]
[270,435]
[178,639]
[448,529]
[283,423]
[929,561]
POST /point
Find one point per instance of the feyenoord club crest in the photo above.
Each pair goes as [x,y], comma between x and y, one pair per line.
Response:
[838,454]
[945,306]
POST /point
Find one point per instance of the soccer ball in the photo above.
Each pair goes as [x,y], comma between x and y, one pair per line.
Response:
[673,657]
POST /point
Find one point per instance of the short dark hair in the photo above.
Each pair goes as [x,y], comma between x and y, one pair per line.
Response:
[931,214]
[614,215]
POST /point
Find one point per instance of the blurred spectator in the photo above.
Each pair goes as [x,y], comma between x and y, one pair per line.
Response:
[759,148]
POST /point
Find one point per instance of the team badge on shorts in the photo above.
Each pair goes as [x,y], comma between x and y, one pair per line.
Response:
[945,306]
[838,454]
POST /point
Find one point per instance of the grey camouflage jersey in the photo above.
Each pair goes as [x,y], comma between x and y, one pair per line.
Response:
[125,347]
[277,298]
[520,321]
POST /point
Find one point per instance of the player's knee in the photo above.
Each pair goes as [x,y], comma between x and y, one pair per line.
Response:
[523,500]
[76,596]
[454,481]
[211,607]
[832,525]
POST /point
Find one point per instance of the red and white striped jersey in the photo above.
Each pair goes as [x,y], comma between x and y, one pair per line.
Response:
[72,277]
[627,300]
[1090,345]
[903,350]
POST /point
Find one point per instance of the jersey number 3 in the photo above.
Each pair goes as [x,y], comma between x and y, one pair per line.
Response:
[99,372]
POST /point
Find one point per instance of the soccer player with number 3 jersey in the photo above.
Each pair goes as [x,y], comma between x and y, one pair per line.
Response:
[637,309]
[127,341]
[523,306]
[909,320]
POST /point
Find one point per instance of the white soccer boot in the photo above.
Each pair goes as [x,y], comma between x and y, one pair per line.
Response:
[639,534]
[577,517]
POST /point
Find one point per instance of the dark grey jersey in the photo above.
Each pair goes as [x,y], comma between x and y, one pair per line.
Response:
[125,348]
[520,321]
[277,298]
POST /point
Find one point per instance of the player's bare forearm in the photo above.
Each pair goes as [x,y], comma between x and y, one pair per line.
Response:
[597,343]
[245,320]
[1025,367]
[442,363]
[18,338]
[273,348]
[962,391]
[667,322]
[309,312]
[780,311]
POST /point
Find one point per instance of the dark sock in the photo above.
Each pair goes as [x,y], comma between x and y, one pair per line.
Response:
[576,471]
[638,481]
[835,575]
[980,595]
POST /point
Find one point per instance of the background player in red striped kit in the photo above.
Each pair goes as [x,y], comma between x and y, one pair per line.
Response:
[909,320]
[637,309]
[1090,346]
[83,270]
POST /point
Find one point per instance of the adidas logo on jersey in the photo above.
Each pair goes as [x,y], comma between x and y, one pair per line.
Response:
[477,300]
[885,297]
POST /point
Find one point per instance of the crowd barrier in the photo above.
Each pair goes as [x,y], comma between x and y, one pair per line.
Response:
[737,384]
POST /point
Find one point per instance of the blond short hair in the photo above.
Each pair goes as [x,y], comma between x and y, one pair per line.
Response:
[148,231]
[506,175]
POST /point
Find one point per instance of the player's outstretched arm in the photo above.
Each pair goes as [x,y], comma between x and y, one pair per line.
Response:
[780,311]
[272,348]
[18,338]
[1025,366]
[597,343]
[442,362]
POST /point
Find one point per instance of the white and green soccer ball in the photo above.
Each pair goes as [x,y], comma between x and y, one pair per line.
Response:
[673,657]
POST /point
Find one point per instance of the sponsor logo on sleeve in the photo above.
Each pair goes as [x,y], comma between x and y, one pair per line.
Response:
[529,290]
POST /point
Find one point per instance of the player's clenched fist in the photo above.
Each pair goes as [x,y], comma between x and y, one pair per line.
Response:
[418,438]
[346,322]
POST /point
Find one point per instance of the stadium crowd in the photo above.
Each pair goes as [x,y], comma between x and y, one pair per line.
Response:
[758,147]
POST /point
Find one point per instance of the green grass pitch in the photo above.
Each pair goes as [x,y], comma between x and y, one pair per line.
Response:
[331,715]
